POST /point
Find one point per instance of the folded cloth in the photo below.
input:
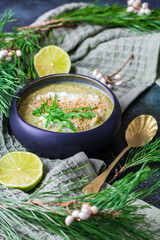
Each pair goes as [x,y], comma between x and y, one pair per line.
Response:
[95,47]
[54,168]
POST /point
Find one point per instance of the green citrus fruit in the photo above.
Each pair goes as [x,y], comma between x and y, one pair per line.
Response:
[52,60]
[21,170]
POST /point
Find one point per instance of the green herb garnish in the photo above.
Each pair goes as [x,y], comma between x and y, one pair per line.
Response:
[55,114]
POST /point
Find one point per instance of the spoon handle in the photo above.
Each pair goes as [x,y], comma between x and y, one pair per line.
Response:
[96,184]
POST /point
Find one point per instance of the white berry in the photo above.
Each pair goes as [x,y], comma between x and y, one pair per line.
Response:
[117,77]
[118,83]
[18,53]
[136,4]
[10,54]
[103,80]
[99,76]
[141,12]
[85,205]
[130,2]
[94,210]
[75,213]
[130,9]
[145,5]
[3,53]
[83,216]
[95,72]
[8,58]
[86,210]
[138,1]
[109,86]
[69,219]
[147,11]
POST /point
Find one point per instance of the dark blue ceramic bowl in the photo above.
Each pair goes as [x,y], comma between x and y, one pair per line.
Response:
[60,145]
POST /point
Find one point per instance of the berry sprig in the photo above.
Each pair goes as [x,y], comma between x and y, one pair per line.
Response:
[114,78]
[8,53]
[85,212]
[138,7]
[117,79]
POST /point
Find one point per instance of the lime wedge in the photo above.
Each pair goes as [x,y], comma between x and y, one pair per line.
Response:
[52,60]
[21,170]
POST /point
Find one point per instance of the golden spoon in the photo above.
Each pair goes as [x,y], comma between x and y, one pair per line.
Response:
[140,131]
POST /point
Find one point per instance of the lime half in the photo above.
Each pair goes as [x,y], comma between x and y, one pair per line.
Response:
[21,170]
[52,60]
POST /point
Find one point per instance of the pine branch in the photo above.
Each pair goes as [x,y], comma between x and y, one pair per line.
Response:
[10,77]
[6,18]
[149,153]
[104,15]
[47,25]
[19,70]
[114,16]
[117,213]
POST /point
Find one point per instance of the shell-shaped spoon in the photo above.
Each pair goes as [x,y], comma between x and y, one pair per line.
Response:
[140,131]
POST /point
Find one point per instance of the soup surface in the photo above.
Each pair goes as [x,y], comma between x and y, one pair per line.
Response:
[66,107]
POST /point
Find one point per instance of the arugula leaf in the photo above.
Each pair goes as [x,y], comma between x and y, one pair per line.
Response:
[41,109]
[80,115]
[54,104]
[70,125]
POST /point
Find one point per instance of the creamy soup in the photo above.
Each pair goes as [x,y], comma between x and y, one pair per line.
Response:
[66,107]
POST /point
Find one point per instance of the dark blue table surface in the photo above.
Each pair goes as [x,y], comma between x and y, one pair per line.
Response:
[147,103]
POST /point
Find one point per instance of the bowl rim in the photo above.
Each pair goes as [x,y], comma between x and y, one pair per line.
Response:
[22,90]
